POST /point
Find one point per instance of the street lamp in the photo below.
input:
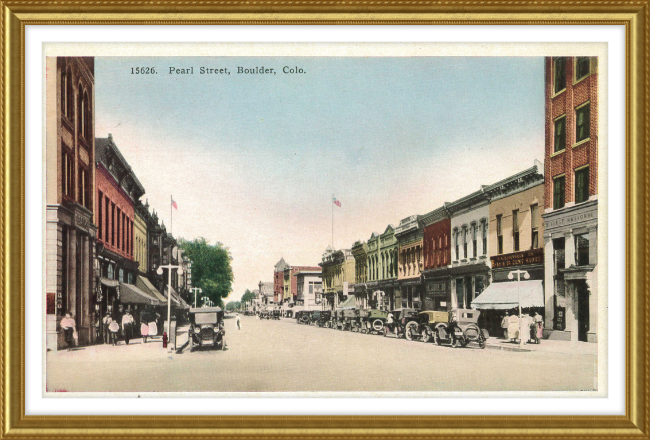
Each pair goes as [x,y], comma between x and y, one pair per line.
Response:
[159,271]
[511,276]
[196,289]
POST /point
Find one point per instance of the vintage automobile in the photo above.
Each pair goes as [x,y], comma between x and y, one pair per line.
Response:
[325,319]
[401,317]
[338,320]
[206,328]
[374,321]
[265,314]
[276,314]
[302,316]
[351,320]
[461,329]
[423,327]
[315,317]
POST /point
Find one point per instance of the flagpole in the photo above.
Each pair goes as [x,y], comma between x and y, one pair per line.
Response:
[332,222]
[171,216]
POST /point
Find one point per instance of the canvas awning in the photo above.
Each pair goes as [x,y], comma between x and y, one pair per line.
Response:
[349,303]
[145,285]
[130,294]
[508,295]
[108,282]
[175,301]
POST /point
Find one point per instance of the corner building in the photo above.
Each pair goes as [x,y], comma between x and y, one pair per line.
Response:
[571,202]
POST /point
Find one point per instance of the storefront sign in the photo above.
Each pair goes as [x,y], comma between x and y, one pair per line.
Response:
[533,256]
[570,219]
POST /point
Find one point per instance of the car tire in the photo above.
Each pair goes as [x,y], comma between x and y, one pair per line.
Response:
[410,330]
[426,334]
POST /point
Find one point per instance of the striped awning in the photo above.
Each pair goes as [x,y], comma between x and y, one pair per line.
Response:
[130,294]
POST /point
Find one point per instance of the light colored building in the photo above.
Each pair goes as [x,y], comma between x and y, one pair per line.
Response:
[140,239]
[266,294]
[410,234]
[338,275]
[571,204]
[309,288]
[70,209]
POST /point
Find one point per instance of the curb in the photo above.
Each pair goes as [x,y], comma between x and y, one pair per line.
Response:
[503,348]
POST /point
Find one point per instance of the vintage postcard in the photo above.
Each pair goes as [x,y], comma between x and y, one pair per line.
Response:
[363,221]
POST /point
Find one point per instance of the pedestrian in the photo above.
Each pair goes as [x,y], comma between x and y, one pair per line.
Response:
[504,326]
[144,331]
[127,325]
[539,324]
[513,326]
[238,322]
[113,328]
[69,330]
[106,322]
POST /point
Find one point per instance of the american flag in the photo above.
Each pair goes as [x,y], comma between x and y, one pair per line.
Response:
[174,204]
[336,202]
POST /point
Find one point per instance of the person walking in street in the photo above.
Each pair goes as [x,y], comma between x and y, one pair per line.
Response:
[69,329]
[106,322]
[513,326]
[127,326]
[539,324]
[238,322]
[113,328]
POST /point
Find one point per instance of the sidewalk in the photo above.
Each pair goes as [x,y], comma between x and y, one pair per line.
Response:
[545,346]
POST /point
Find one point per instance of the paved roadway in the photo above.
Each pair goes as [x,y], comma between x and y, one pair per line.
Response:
[268,356]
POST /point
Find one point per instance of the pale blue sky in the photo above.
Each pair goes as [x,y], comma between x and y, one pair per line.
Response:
[252,160]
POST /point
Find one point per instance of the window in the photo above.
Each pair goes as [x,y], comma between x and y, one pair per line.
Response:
[558,192]
[499,235]
[121,276]
[534,226]
[465,242]
[582,249]
[559,74]
[100,229]
[484,232]
[67,170]
[582,185]
[456,244]
[474,244]
[582,67]
[515,230]
[106,215]
[559,135]
[84,188]
[582,123]
[112,224]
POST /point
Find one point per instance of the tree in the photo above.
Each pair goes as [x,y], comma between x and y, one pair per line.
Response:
[233,305]
[247,296]
[211,268]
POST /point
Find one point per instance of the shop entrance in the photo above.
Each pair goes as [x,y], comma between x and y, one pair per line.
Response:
[583,311]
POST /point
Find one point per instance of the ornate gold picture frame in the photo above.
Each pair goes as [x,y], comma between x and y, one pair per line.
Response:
[16,15]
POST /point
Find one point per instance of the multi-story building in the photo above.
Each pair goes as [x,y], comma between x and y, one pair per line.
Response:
[309,283]
[437,259]
[290,284]
[70,177]
[140,239]
[118,189]
[382,259]
[360,253]
[410,234]
[278,281]
[338,274]
[266,293]
[514,247]
[470,269]
[571,200]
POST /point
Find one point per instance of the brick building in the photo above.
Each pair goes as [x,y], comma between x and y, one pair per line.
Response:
[437,258]
[278,281]
[70,176]
[571,201]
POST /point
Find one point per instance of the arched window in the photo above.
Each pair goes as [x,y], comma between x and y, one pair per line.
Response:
[86,116]
[80,113]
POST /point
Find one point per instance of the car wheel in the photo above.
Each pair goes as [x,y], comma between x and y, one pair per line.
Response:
[410,331]
[481,342]
[426,334]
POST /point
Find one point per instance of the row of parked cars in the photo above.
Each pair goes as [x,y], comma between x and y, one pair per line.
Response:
[457,328]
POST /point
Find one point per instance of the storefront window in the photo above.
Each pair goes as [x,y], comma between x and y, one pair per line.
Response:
[111,273]
[121,276]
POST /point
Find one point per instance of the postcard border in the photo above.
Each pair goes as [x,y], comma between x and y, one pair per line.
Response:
[16,15]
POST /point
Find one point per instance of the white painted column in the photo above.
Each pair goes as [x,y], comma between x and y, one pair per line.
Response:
[549,283]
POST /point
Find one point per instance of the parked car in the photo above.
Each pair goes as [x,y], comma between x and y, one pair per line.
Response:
[461,329]
[374,321]
[206,328]
[351,320]
[423,327]
[401,317]
[276,314]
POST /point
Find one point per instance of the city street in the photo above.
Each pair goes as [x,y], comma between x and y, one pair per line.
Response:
[272,356]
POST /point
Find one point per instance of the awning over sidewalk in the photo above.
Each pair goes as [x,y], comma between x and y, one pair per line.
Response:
[108,282]
[130,294]
[349,303]
[145,285]
[508,295]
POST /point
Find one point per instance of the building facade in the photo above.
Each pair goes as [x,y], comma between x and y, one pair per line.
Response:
[278,281]
[309,288]
[410,235]
[571,202]
[70,217]
[140,238]
[470,268]
[338,275]
[266,293]
[437,259]
[117,191]
[382,286]
[360,253]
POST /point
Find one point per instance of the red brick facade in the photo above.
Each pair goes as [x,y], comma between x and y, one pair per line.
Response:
[437,244]
[574,155]
[114,213]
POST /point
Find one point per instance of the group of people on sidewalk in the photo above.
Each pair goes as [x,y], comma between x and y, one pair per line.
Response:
[111,328]
[531,326]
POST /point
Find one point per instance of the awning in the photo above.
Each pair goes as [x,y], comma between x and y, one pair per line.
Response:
[175,301]
[508,295]
[108,282]
[145,285]
[130,294]
[349,303]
